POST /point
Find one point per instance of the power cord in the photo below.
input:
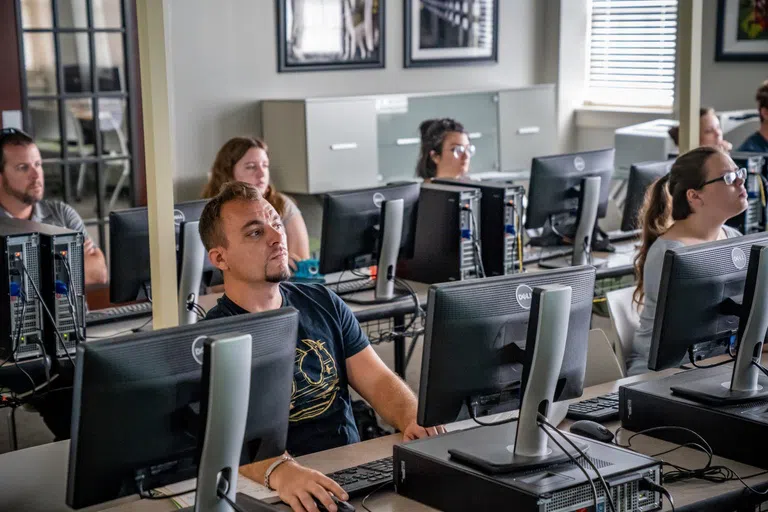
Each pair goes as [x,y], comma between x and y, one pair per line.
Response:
[221,494]
[473,416]
[195,307]
[646,484]
[79,325]
[761,368]
[543,420]
[475,243]
[706,367]
[154,495]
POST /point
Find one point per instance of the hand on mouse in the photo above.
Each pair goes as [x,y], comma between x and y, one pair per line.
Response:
[299,487]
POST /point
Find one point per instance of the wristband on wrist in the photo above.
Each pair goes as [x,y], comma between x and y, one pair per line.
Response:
[272,467]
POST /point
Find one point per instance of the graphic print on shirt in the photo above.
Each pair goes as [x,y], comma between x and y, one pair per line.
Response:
[315,381]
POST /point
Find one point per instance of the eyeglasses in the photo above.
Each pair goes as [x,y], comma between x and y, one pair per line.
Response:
[460,150]
[730,177]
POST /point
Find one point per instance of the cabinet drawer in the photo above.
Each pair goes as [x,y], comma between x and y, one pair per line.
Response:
[527,126]
[341,144]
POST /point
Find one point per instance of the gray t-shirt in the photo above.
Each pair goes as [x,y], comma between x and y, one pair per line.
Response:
[637,361]
[290,209]
[55,213]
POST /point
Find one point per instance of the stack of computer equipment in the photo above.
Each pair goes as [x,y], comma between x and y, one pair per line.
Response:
[501,223]
[712,301]
[483,356]
[45,280]
[447,246]
[753,219]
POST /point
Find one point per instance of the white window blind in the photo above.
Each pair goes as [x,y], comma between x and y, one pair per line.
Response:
[632,53]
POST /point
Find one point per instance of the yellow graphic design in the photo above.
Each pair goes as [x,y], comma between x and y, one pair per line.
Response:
[315,381]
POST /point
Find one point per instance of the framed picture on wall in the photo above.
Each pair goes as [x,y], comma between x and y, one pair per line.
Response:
[451,32]
[330,35]
[742,30]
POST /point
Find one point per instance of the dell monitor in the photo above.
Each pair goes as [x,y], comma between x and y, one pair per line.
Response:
[641,176]
[701,288]
[374,226]
[569,193]
[479,350]
[747,384]
[143,404]
[129,249]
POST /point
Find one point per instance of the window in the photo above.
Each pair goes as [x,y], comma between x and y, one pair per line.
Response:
[78,92]
[631,55]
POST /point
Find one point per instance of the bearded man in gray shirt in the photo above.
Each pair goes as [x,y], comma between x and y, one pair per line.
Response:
[22,186]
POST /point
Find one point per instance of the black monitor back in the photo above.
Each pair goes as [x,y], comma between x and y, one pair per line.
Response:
[134,400]
[475,342]
[129,261]
[556,181]
[350,234]
[695,281]
[641,176]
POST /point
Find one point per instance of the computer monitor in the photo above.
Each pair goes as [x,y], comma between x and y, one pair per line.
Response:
[480,340]
[569,193]
[129,261]
[141,409]
[747,384]
[356,234]
[641,176]
[701,287]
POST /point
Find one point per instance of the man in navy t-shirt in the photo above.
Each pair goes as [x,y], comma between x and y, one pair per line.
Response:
[245,239]
[758,141]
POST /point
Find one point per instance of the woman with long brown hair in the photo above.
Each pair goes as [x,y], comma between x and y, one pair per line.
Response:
[245,159]
[688,206]
[445,149]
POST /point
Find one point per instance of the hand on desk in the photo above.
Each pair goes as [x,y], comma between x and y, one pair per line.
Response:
[415,431]
[299,486]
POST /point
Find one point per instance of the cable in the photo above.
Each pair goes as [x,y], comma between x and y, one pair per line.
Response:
[48,312]
[154,495]
[543,419]
[475,243]
[120,333]
[650,485]
[473,416]
[79,325]
[221,494]
[573,459]
[761,367]
[377,489]
[706,367]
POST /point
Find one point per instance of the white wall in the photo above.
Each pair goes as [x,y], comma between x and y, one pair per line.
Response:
[223,61]
[726,85]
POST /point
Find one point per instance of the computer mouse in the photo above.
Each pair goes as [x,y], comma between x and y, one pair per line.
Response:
[341,506]
[592,430]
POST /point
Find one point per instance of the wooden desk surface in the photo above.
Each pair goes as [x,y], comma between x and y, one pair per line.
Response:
[34,479]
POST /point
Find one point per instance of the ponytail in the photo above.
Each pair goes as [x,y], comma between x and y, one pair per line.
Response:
[656,216]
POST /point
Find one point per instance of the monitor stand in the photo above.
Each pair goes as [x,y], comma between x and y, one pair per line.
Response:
[529,447]
[191,274]
[589,199]
[224,411]
[747,383]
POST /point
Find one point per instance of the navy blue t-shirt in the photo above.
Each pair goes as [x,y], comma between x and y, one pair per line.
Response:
[756,143]
[321,409]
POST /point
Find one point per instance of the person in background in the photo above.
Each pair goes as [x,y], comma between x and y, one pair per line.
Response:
[688,206]
[445,150]
[22,186]
[245,159]
[245,239]
[710,133]
[758,141]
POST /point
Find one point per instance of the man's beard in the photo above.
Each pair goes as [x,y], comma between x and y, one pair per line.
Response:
[24,197]
[278,276]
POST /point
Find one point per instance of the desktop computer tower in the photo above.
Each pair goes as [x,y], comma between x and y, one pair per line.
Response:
[752,220]
[501,223]
[21,312]
[448,235]
[426,472]
[62,276]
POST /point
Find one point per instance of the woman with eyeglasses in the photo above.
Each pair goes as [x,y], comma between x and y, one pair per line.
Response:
[445,150]
[688,206]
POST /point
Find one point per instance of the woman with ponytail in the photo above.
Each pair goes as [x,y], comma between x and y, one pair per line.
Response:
[245,159]
[688,206]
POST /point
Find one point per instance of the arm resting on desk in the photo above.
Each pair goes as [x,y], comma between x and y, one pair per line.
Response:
[94,263]
[387,394]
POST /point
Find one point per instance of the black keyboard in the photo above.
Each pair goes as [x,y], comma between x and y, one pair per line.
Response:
[600,409]
[117,313]
[361,480]
[352,286]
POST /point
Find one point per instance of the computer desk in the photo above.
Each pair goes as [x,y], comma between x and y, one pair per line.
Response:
[34,479]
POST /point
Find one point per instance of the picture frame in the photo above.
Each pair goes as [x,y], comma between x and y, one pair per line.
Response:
[741,36]
[330,35]
[450,32]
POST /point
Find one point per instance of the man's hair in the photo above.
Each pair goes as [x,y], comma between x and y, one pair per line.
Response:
[209,226]
[762,98]
[12,137]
